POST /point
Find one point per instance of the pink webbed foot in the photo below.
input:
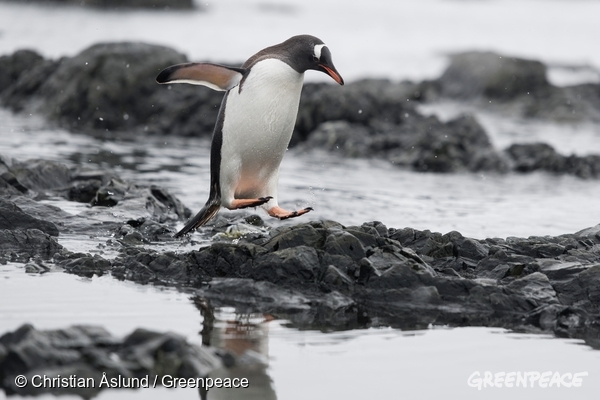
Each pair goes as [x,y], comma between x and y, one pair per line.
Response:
[237,204]
[280,213]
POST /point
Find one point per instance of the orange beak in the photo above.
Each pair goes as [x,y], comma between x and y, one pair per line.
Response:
[332,73]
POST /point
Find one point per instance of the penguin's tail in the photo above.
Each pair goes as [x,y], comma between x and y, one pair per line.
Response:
[209,210]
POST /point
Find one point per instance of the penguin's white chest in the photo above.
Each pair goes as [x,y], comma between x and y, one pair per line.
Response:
[258,125]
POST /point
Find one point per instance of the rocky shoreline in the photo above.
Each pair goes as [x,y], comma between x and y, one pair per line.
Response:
[109,89]
[317,275]
[87,354]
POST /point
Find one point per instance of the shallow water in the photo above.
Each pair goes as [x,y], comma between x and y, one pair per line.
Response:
[477,205]
[398,40]
[371,363]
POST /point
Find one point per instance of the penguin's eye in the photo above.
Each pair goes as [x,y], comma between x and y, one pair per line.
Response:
[317,52]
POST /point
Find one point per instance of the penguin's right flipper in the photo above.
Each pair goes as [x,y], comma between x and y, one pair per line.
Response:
[214,76]
[209,210]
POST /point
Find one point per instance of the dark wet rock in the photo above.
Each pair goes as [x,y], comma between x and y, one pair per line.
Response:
[461,144]
[64,221]
[330,309]
[472,249]
[364,102]
[581,288]
[374,118]
[112,87]
[540,156]
[344,244]
[122,4]
[224,259]
[13,218]
[286,267]
[336,279]
[21,92]
[107,86]
[91,351]
[475,74]
[515,86]
[557,270]
[144,208]
[534,156]
[341,137]
[147,266]
[538,289]
[572,104]
[85,264]
[111,194]
[37,267]
[35,175]
[23,245]
[420,143]
[16,64]
[85,185]
[143,230]
[333,276]
[10,186]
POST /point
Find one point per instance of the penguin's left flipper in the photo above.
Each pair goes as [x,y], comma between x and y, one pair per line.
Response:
[246,203]
[280,213]
[214,76]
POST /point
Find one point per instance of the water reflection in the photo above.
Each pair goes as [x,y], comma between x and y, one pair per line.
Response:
[295,364]
[244,340]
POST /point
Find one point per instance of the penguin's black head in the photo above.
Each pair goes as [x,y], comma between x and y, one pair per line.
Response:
[304,52]
[321,61]
[309,52]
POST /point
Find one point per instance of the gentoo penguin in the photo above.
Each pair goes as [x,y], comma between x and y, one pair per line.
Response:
[255,122]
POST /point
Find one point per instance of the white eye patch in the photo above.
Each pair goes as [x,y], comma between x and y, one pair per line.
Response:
[317,51]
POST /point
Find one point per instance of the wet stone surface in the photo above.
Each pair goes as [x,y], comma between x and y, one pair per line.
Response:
[92,352]
[315,274]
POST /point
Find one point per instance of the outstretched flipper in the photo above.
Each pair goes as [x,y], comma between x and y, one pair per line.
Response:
[214,76]
[209,210]
[280,213]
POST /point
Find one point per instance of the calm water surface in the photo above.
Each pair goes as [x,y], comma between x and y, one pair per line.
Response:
[368,363]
